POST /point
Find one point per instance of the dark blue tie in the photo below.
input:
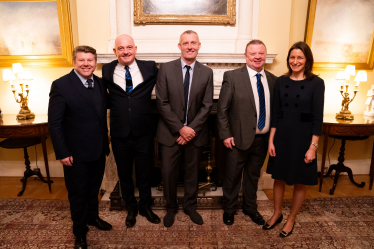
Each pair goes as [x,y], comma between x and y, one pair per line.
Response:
[90,84]
[186,85]
[261,100]
[128,80]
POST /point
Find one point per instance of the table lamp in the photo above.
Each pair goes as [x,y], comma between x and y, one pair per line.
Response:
[24,77]
[343,75]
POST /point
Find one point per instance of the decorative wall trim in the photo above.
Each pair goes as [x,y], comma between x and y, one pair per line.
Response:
[202,57]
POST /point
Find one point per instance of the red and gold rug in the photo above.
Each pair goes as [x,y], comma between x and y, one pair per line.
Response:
[322,223]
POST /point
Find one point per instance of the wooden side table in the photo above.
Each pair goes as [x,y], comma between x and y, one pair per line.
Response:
[10,127]
[357,129]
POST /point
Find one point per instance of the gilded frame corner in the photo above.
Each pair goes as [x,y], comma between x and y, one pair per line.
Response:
[142,19]
[63,60]
[332,65]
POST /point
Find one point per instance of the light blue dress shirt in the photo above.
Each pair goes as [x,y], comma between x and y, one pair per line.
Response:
[84,81]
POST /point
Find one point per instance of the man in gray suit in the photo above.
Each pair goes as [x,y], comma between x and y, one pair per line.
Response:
[243,115]
[184,91]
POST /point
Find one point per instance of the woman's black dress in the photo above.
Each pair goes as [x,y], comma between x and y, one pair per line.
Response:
[297,116]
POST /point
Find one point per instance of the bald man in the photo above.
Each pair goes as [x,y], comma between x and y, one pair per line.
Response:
[130,83]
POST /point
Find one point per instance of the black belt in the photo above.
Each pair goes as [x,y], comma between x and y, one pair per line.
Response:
[261,135]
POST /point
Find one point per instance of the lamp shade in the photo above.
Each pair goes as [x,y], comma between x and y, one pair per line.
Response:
[342,75]
[26,74]
[350,70]
[8,75]
[361,76]
[17,68]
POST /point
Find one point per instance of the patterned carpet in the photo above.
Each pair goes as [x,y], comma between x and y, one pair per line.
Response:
[322,223]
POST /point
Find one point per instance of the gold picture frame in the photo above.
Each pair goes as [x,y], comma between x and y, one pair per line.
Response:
[327,47]
[228,19]
[60,60]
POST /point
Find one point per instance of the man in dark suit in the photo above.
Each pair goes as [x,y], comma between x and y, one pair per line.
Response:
[243,115]
[184,93]
[78,128]
[130,83]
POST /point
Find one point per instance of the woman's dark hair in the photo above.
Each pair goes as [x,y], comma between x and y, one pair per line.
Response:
[308,56]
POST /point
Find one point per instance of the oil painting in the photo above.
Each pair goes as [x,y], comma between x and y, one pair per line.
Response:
[340,32]
[29,28]
[191,12]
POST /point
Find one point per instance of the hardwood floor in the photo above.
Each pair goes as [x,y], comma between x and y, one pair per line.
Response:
[35,189]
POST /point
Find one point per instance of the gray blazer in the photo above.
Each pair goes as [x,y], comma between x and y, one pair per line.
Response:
[171,104]
[236,110]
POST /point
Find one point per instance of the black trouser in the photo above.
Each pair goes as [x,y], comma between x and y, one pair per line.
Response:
[83,181]
[247,163]
[125,150]
[171,160]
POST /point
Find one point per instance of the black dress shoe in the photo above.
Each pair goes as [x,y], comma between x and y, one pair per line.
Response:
[284,234]
[228,219]
[169,218]
[131,218]
[256,217]
[266,226]
[100,224]
[195,217]
[80,242]
[151,217]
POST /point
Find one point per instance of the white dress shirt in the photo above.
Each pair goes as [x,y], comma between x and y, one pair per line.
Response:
[119,75]
[252,76]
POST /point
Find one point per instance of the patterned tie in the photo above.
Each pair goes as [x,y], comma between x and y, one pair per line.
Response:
[90,84]
[128,80]
[261,98]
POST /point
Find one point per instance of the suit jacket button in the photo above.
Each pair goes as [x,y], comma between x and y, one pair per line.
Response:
[255,115]
[254,128]
[129,97]
[129,109]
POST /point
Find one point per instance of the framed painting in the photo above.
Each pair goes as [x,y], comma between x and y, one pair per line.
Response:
[218,12]
[341,32]
[35,33]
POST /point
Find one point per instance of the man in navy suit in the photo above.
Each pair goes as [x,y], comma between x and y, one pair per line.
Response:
[78,128]
[130,83]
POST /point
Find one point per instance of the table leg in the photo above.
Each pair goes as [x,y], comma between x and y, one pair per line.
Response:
[325,141]
[46,162]
[372,169]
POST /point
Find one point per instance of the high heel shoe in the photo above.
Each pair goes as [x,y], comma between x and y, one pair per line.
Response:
[284,234]
[266,226]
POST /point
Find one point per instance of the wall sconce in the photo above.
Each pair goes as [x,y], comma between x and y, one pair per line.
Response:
[344,76]
[24,77]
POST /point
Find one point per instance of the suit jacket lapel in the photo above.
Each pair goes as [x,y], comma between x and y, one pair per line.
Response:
[248,86]
[103,93]
[143,70]
[179,79]
[110,74]
[80,89]
[195,82]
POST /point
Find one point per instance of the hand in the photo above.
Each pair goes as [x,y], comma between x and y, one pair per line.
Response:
[187,133]
[229,142]
[271,150]
[67,161]
[181,140]
[310,155]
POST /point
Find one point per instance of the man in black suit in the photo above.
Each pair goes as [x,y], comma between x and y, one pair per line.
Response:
[243,119]
[184,99]
[130,83]
[78,128]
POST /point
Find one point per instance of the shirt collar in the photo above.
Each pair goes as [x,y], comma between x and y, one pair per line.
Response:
[253,73]
[81,78]
[184,64]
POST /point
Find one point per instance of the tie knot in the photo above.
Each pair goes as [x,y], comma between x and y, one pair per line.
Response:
[258,76]
[188,67]
[127,68]
[90,83]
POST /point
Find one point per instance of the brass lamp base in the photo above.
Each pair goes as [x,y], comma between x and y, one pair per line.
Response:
[344,115]
[25,116]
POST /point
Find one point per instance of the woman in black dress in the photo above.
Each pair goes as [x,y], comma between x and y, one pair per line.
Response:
[295,130]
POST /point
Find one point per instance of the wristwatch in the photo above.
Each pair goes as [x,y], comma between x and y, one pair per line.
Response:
[316,145]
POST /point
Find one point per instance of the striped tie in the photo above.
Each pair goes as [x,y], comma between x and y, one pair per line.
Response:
[261,99]
[128,80]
